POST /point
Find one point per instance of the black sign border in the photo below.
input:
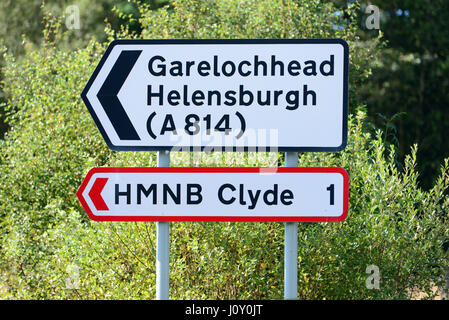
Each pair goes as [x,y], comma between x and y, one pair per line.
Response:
[218,42]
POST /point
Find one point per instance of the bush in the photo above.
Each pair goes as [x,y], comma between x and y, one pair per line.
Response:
[48,244]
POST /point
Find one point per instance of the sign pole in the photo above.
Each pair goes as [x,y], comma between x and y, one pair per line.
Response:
[291,245]
[163,243]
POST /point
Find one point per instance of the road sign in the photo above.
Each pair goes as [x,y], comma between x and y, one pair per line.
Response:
[222,95]
[215,194]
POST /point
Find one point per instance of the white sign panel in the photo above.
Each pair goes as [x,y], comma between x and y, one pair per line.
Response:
[215,194]
[222,95]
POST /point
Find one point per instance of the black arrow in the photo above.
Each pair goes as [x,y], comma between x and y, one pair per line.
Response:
[109,91]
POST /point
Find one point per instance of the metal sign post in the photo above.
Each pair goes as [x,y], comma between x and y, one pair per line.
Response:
[163,243]
[145,95]
[291,245]
[286,194]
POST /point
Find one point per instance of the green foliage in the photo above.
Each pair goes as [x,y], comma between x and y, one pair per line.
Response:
[23,22]
[53,142]
[24,19]
[412,76]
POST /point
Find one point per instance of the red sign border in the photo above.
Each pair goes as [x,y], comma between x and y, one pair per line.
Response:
[217,170]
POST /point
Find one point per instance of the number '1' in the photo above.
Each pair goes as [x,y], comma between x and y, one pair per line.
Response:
[331,191]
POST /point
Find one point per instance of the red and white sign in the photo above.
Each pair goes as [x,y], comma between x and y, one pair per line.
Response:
[215,194]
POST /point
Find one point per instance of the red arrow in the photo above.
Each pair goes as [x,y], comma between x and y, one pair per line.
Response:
[95,194]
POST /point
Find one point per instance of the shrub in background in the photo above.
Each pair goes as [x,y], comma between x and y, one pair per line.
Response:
[49,249]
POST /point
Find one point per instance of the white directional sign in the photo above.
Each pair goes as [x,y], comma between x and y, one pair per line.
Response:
[226,95]
[215,194]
